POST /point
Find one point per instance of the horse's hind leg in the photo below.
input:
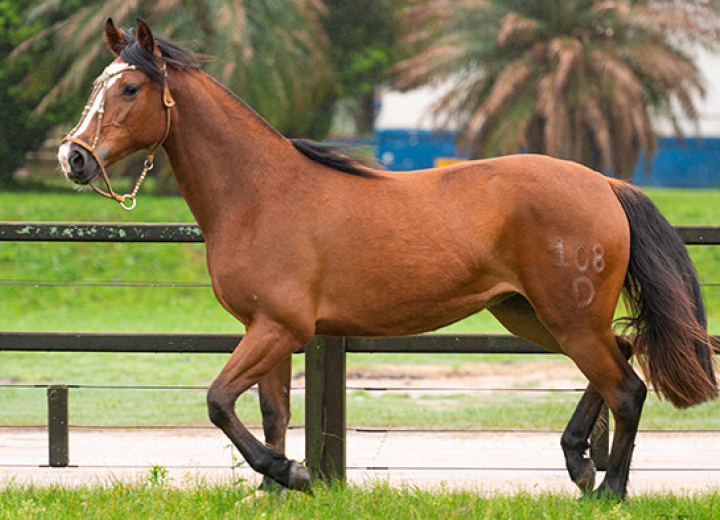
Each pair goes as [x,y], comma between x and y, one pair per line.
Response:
[518,316]
[614,381]
[575,439]
[274,390]
[604,363]
[264,347]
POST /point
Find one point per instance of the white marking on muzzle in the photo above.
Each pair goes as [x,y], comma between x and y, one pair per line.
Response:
[63,153]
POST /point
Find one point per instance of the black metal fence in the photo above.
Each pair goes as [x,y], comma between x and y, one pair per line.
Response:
[325,392]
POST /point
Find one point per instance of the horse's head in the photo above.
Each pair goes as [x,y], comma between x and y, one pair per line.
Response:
[129,109]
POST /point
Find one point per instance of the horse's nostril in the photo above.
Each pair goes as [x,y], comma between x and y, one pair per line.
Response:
[77,161]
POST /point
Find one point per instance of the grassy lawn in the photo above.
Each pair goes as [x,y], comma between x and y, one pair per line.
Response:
[461,410]
[157,500]
[128,309]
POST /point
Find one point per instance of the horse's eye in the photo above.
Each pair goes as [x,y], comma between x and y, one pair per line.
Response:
[130,90]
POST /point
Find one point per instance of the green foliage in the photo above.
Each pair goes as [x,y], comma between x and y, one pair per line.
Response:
[575,79]
[263,48]
[158,476]
[375,501]
[279,55]
[19,130]
[25,80]
[364,45]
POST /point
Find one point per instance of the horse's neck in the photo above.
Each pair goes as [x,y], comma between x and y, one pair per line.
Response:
[223,155]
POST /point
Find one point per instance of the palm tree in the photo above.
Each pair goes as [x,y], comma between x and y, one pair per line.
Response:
[271,52]
[576,79]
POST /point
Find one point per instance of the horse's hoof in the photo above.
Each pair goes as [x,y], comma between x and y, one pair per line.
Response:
[586,479]
[269,485]
[605,493]
[299,477]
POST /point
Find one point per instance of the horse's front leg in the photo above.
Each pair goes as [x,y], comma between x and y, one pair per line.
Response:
[266,345]
[274,391]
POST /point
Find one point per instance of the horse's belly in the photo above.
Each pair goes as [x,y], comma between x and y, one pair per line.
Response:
[388,313]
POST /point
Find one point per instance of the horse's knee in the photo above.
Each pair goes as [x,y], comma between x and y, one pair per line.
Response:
[219,406]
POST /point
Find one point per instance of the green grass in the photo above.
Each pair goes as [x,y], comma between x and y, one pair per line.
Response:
[157,500]
[123,309]
[480,410]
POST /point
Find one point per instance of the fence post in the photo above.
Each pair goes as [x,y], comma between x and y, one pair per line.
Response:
[325,446]
[58,437]
[600,440]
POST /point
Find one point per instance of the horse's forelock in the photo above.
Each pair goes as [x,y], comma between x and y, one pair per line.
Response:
[172,54]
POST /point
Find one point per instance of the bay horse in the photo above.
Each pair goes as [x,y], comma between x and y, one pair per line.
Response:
[302,240]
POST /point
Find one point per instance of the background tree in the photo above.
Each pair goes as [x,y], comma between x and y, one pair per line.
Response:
[364,39]
[291,60]
[21,128]
[271,52]
[576,79]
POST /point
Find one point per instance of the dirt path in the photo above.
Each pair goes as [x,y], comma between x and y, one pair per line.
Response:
[555,373]
[490,462]
[487,462]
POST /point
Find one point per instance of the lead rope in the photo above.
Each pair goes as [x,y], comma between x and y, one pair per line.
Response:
[101,85]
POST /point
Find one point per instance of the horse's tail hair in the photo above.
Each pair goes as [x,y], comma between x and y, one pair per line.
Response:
[662,293]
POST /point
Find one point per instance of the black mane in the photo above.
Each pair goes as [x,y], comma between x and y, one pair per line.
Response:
[172,54]
[335,157]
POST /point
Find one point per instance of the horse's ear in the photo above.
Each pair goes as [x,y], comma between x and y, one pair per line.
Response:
[114,38]
[145,38]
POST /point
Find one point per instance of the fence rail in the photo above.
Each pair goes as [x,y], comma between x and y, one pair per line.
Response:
[325,431]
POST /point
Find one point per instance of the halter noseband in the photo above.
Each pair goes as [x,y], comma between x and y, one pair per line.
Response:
[101,86]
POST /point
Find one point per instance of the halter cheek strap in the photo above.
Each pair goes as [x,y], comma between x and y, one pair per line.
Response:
[100,89]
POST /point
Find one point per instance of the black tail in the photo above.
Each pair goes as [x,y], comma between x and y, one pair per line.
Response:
[663,294]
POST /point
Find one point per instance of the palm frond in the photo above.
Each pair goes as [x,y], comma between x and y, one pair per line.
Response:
[267,47]
[596,70]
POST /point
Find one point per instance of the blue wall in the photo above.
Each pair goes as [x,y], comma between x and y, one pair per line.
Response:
[402,150]
[689,163]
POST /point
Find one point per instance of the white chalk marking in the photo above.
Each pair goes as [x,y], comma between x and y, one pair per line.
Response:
[580,301]
[583,290]
[581,259]
[560,248]
[599,258]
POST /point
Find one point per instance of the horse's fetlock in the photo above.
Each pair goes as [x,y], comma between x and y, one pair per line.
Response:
[573,443]
[274,465]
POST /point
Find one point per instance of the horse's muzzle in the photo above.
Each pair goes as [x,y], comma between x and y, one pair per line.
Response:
[78,165]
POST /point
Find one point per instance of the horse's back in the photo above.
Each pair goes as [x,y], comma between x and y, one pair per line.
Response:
[434,246]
